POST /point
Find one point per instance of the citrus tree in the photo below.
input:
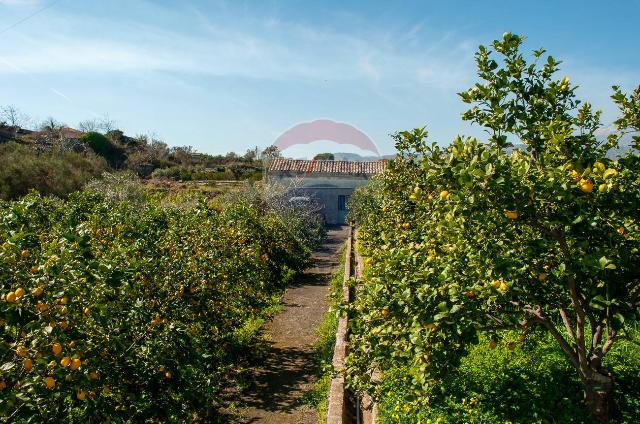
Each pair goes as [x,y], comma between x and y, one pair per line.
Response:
[121,311]
[484,237]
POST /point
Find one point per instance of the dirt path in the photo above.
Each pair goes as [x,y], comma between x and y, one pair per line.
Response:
[288,370]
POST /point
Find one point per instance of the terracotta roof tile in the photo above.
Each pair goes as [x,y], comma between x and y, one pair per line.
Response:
[328,166]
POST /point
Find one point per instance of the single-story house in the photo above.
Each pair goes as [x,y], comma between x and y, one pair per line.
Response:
[329,182]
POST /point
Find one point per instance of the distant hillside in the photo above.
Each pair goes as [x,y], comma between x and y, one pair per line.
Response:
[354,157]
[625,145]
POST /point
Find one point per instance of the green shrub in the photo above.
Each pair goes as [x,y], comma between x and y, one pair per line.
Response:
[519,381]
[50,172]
[102,146]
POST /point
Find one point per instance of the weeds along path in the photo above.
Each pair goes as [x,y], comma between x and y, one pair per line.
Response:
[287,372]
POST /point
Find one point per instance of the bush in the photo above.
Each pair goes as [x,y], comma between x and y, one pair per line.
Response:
[113,311]
[102,146]
[519,381]
[52,172]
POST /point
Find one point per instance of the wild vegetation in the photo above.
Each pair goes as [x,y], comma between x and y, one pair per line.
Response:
[54,171]
[472,248]
[38,159]
[120,307]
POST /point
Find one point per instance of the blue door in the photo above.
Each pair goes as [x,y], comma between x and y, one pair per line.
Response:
[342,208]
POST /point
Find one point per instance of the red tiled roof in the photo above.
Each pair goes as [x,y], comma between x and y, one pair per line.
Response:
[342,167]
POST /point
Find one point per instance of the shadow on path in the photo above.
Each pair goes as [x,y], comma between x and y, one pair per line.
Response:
[287,369]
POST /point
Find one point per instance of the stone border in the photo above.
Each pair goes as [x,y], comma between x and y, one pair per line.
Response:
[337,412]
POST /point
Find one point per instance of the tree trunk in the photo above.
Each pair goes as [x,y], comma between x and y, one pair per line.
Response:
[598,397]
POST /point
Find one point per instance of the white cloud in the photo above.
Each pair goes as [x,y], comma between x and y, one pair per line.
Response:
[260,48]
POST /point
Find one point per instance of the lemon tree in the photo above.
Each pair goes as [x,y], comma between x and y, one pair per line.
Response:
[131,312]
[481,237]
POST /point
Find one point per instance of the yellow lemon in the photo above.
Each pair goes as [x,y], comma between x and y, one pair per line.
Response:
[586,185]
[27,364]
[50,382]
[511,214]
[56,348]
[444,195]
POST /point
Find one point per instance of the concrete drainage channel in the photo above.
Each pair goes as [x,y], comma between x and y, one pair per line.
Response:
[343,407]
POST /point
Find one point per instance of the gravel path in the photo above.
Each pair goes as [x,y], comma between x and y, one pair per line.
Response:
[288,370]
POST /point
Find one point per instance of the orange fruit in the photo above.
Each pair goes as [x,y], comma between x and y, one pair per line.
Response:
[542,276]
[492,344]
[75,364]
[56,349]
[34,269]
[10,297]
[94,375]
[3,385]
[37,291]
[25,254]
[621,230]
[19,292]
[27,364]
[168,375]
[50,382]
[385,312]
[80,395]
[21,351]
[64,362]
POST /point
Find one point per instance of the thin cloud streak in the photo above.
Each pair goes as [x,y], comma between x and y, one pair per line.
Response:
[282,51]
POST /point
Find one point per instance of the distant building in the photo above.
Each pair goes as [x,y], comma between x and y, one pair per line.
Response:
[329,182]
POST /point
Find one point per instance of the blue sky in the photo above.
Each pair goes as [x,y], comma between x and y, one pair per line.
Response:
[230,75]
